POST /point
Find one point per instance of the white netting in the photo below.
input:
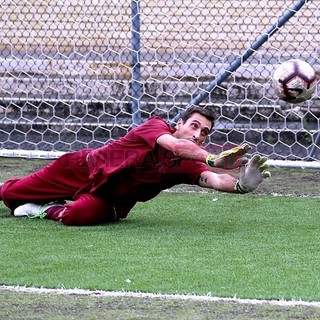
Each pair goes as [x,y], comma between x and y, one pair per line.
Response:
[74,72]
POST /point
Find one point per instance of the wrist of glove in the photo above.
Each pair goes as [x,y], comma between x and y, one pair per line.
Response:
[240,188]
[229,159]
[210,159]
[252,174]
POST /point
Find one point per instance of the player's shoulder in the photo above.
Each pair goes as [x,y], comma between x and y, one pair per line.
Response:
[150,130]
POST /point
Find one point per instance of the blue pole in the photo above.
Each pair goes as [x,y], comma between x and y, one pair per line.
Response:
[135,56]
[237,62]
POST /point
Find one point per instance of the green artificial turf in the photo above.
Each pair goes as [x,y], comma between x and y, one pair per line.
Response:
[224,245]
[253,246]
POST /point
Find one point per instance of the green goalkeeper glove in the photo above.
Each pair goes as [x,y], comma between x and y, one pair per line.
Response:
[252,174]
[229,159]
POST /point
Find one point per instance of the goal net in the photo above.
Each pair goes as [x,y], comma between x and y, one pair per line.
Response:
[78,74]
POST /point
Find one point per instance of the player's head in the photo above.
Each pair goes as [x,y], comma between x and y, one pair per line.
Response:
[202,111]
[195,124]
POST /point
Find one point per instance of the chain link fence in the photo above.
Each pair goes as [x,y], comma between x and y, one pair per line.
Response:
[77,74]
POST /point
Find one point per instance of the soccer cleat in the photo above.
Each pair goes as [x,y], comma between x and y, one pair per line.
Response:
[33,210]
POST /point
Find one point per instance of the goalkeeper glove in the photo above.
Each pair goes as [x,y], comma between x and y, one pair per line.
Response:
[252,174]
[229,159]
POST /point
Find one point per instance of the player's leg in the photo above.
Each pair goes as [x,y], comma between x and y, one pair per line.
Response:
[60,180]
[86,210]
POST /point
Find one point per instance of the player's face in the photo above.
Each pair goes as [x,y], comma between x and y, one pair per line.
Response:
[195,129]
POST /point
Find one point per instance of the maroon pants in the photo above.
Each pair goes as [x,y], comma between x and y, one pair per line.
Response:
[66,178]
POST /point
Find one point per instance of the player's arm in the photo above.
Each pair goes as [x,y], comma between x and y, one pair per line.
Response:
[250,177]
[183,148]
[218,181]
[186,149]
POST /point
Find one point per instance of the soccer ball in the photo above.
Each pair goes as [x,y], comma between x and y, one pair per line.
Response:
[294,81]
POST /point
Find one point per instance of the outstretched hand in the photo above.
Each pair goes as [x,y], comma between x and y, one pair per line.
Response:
[252,174]
[229,159]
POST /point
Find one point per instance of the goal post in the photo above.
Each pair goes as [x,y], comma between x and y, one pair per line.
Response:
[80,74]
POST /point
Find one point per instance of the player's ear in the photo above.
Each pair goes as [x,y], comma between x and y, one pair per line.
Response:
[179,123]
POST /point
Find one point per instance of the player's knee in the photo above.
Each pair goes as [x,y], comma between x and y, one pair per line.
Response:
[6,189]
[9,194]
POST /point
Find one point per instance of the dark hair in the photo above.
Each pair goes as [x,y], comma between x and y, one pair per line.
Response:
[204,112]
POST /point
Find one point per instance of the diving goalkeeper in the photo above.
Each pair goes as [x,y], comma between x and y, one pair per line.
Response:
[95,186]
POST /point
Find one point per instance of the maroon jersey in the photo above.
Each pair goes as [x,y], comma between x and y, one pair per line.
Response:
[136,168]
[105,183]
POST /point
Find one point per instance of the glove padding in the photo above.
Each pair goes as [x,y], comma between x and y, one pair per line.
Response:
[229,159]
[252,174]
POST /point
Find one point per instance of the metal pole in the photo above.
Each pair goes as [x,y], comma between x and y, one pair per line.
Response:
[238,62]
[135,56]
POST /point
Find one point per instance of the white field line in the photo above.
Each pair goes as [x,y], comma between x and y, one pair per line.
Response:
[191,297]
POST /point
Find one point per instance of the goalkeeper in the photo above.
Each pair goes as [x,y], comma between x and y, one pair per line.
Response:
[94,186]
